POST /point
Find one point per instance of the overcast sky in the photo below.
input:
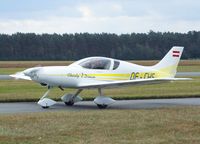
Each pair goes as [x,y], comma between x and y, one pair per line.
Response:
[97,16]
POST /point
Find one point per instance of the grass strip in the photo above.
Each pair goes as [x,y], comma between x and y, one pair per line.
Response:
[166,125]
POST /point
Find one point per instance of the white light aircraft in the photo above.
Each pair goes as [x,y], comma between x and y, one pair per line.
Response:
[99,73]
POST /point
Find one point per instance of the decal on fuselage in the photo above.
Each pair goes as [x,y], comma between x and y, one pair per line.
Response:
[142,75]
[87,76]
[82,75]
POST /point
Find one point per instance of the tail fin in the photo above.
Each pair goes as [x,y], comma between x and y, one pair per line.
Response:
[168,65]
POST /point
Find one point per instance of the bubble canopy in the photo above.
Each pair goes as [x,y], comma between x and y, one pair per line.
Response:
[96,63]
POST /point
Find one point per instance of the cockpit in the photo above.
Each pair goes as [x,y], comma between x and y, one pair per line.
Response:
[99,63]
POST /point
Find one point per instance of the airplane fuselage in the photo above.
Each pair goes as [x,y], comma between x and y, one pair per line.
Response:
[73,75]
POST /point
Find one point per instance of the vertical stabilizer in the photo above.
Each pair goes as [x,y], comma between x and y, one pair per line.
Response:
[168,65]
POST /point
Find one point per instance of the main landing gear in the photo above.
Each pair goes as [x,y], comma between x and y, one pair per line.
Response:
[102,101]
[69,99]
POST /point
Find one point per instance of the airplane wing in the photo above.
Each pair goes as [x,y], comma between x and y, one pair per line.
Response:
[106,84]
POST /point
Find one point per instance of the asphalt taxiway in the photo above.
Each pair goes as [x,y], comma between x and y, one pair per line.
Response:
[27,107]
[188,74]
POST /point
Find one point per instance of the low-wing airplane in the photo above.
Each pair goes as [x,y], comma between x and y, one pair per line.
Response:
[99,73]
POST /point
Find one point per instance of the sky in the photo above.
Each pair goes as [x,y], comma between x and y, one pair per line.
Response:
[98,16]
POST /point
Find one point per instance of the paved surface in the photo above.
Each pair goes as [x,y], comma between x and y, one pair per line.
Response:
[182,74]
[23,107]
[5,77]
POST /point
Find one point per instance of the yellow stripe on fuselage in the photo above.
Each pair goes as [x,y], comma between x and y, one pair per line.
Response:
[110,75]
[161,73]
[102,76]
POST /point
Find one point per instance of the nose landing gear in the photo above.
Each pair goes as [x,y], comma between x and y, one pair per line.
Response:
[46,102]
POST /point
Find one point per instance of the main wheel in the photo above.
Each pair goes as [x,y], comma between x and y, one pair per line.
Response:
[70,103]
[45,107]
[102,106]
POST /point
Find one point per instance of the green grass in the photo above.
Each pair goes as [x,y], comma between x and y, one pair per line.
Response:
[168,125]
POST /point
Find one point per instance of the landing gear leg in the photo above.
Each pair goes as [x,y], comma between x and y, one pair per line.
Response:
[101,106]
[45,94]
[100,92]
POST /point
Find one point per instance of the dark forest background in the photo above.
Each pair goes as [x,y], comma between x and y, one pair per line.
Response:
[134,46]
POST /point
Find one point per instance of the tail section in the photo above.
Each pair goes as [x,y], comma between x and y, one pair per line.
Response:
[168,65]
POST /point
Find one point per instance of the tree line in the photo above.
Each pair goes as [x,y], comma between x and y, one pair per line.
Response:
[134,46]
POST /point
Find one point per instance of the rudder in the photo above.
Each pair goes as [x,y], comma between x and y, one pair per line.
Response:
[168,65]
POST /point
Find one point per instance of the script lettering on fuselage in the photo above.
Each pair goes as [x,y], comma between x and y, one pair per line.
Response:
[142,75]
[77,75]
[86,76]
[73,75]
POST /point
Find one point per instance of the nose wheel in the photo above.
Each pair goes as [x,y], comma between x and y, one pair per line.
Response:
[46,102]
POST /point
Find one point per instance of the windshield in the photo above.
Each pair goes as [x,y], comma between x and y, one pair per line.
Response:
[96,63]
[116,65]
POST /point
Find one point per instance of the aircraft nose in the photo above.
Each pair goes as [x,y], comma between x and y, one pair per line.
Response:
[31,72]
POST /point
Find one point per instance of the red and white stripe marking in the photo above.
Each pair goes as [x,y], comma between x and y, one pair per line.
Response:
[176,53]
